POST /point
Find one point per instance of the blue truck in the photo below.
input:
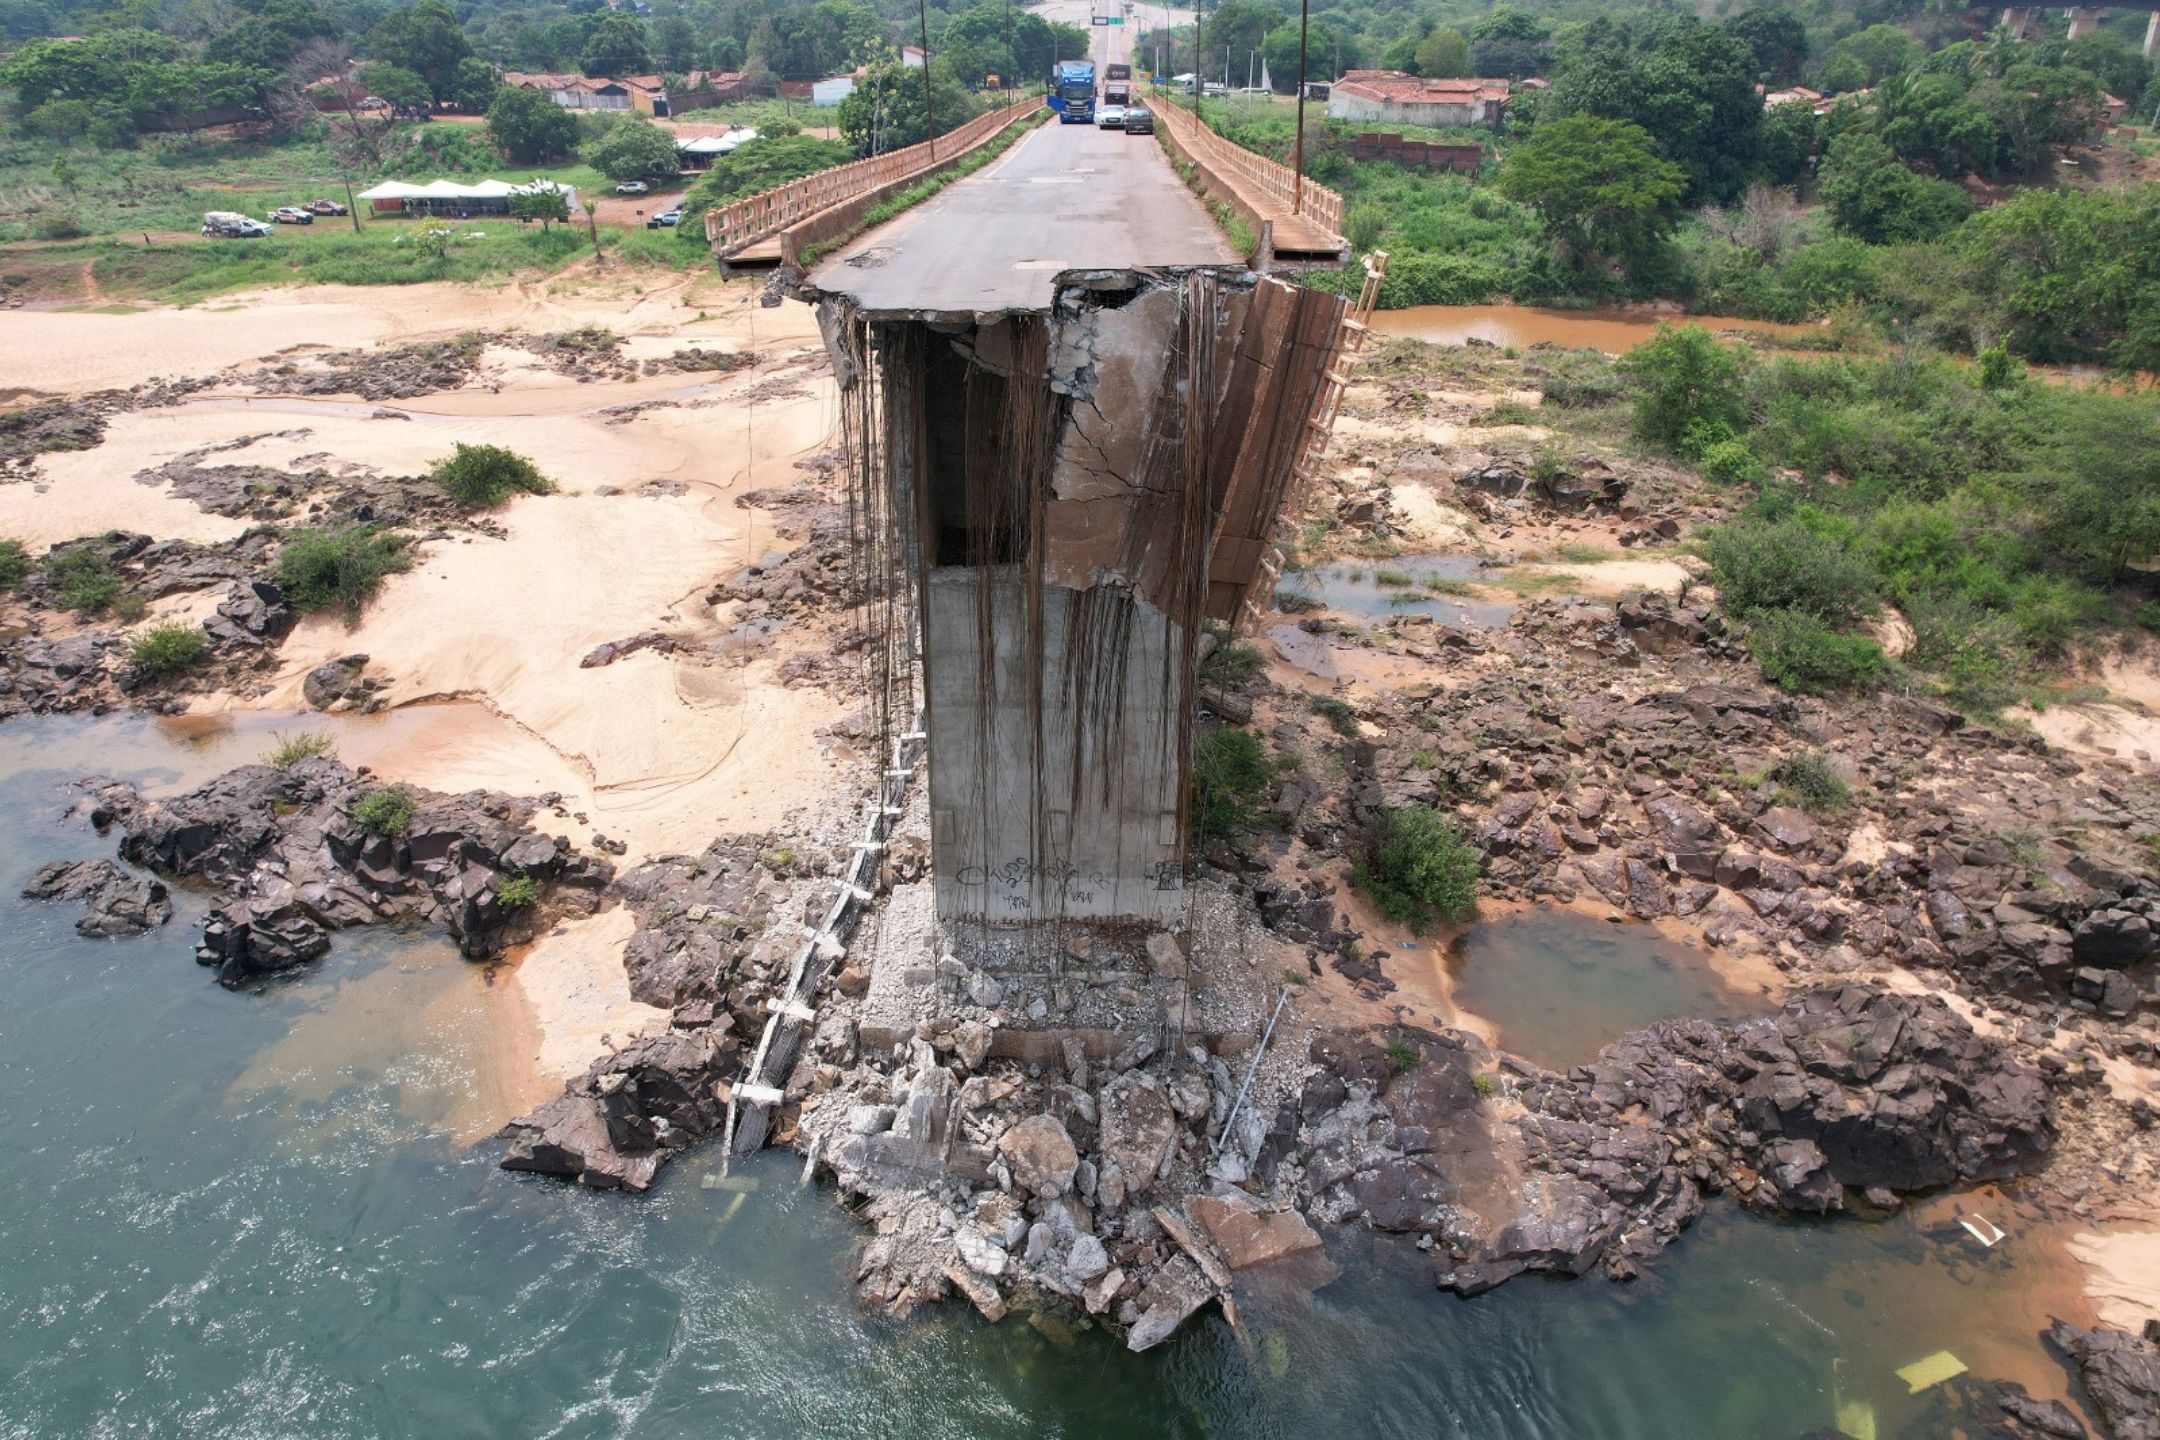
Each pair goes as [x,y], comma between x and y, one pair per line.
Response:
[1072,92]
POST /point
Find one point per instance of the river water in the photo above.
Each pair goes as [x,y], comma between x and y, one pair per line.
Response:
[263,1214]
[1614,331]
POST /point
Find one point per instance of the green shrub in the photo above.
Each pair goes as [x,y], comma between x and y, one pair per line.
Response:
[1581,379]
[1337,713]
[1484,1085]
[518,892]
[1798,652]
[1234,664]
[1363,225]
[338,569]
[1402,1055]
[1230,777]
[169,649]
[287,751]
[1417,865]
[384,812]
[1728,462]
[1812,782]
[1782,565]
[82,577]
[14,564]
[1687,385]
[481,477]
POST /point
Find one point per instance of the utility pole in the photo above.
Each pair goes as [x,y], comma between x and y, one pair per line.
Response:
[1297,148]
[1012,56]
[929,114]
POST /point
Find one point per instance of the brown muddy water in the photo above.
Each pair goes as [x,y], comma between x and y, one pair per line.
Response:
[1558,985]
[1614,331]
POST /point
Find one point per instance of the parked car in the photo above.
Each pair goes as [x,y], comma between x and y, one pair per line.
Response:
[632,187]
[667,217]
[1111,117]
[292,215]
[1139,121]
[324,207]
[231,225]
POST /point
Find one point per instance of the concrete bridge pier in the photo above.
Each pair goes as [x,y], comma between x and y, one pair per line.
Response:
[2084,19]
[2152,32]
[2015,19]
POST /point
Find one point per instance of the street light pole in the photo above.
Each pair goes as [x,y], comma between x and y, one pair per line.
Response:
[922,14]
[1297,149]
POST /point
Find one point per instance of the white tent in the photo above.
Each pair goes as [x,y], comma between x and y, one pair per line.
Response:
[491,197]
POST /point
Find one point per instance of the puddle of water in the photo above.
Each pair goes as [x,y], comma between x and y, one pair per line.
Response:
[1614,331]
[1557,984]
[1405,585]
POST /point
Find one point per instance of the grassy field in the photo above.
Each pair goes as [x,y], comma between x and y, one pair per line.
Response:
[181,271]
[47,192]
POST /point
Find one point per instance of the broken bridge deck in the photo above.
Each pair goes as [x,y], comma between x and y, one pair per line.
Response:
[1068,197]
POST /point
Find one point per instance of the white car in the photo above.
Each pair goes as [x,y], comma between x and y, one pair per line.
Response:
[1111,117]
[632,187]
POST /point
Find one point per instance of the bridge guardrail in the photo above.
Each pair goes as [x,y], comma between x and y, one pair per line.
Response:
[730,227]
[1321,206]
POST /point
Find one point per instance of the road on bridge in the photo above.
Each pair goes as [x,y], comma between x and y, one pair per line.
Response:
[1067,197]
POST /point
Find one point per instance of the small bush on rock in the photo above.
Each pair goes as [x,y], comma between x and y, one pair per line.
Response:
[169,649]
[1800,653]
[1230,775]
[1417,866]
[338,569]
[384,812]
[287,751]
[481,477]
[83,578]
[14,564]
[1812,782]
[518,892]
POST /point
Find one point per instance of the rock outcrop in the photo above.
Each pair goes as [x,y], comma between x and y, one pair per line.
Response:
[618,1123]
[292,863]
[116,903]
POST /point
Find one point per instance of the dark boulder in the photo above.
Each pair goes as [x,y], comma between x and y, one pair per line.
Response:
[2121,1372]
[115,902]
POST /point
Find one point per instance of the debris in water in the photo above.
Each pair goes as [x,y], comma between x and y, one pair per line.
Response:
[1932,1371]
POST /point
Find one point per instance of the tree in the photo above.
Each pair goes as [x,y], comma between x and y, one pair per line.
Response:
[529,128]
[547,205]
[674,44]
[885,111]
[2038,106]
[2071,274]
[1237,26]
[1873,196]
[1690,85]
[1599,185]
[93,69]
[2117,64]
[1878,52]
[1788,141]
[1688,390]
[425,39]
[1280,50]
[472,86]
[1777,39]
[403,88]
[185,95]
[1928,119]
[1443,54]
[763,164]
[636,149]
[615,46]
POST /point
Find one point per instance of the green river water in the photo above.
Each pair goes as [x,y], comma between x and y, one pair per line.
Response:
[251,1215]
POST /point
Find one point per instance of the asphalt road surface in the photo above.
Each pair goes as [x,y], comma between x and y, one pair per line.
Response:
[1068,197]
